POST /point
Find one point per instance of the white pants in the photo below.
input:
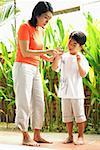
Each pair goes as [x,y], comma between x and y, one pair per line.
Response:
[29,96]
[73,108]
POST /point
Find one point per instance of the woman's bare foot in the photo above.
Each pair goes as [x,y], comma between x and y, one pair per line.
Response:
[41,140]
[30,142]
[26,138]
[37,137]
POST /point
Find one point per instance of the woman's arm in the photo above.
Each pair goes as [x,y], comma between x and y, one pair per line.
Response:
[47,58]
[26,52]
[51,58]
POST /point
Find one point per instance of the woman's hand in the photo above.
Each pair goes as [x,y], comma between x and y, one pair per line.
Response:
[51,52]
[59,50]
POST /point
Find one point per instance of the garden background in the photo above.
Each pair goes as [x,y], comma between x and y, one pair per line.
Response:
[69,15]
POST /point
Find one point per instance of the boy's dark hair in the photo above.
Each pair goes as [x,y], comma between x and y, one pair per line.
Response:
[40,8]
[79,37]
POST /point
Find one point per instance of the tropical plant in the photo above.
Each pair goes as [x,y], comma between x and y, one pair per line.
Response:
[6,83]
[7,98]
[7,11]
[92,51]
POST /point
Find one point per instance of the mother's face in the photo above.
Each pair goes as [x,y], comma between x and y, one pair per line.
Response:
[43,19]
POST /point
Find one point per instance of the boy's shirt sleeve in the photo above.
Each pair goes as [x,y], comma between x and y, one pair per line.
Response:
[85,65]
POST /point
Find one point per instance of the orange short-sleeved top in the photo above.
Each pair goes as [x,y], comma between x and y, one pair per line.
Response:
[27,32]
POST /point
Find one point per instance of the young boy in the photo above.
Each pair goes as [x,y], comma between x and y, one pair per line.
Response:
[74,67]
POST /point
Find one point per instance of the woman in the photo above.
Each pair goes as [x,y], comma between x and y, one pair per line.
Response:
[27,81]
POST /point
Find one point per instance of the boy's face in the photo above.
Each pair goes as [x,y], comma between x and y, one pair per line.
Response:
[73,46]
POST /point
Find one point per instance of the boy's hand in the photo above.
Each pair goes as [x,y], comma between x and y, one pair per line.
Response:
[78,58]
[58,56]
[51,59]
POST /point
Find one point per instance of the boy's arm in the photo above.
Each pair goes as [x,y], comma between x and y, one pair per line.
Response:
[80,67]
[55,62]
[81,70]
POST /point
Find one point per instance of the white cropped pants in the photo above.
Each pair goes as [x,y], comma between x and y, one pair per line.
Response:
[73,108]
[29,96]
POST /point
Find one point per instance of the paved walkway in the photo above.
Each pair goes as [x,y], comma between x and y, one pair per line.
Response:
[12,141]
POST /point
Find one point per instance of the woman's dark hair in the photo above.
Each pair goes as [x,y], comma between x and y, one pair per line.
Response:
[40,8]
[79,37]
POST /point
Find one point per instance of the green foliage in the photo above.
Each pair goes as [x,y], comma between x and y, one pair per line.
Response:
[6,12]
[57,38]
[6,83]
[92,52]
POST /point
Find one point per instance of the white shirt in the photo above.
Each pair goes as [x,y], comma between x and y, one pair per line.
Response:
[71,85]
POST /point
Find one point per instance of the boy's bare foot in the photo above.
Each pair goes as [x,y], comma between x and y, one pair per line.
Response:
[79,141]
[68,140]
[41,140]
